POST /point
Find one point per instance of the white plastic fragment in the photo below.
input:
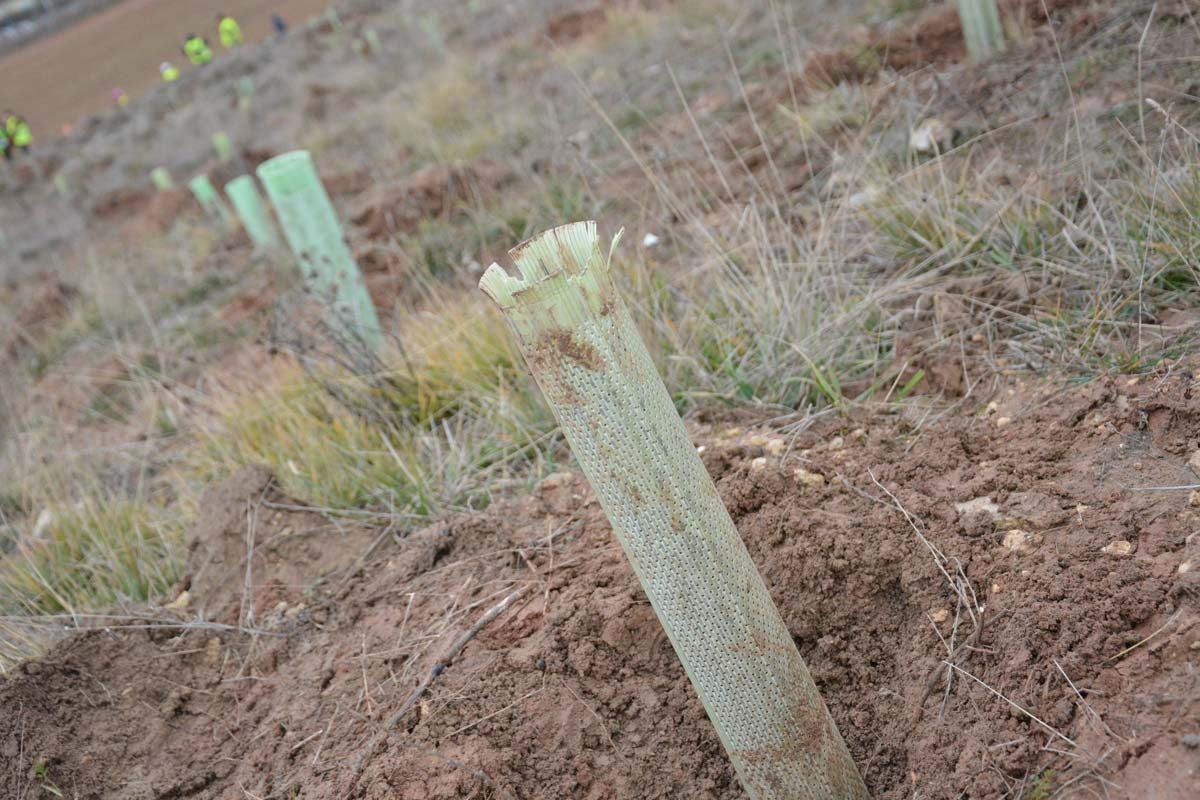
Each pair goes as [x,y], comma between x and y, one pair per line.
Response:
[1118,548]
[978,505]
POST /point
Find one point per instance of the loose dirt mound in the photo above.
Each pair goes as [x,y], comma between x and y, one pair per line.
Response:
[38,302]
[935,37]
[429,193]
[1030,553]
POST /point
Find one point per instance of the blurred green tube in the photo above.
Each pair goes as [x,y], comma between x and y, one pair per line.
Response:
[374,46]
[245,92]
[210,201]
[981,28]
[222,145]
[161,178]
[314,236]
[243,194]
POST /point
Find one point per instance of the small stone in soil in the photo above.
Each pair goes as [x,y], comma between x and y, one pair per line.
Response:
[808,478]
[978,504]
[1020,541]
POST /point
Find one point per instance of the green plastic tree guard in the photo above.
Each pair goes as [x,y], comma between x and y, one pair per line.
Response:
[210,201]
[583,348]
[314,236]
[161,178]
[981,27]
[222,145]
[374,45]
[245,92]
[243,194]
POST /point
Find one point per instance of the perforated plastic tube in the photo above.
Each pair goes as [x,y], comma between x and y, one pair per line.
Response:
[314,235]
[210,201]
[584,351]
[243,194]
[981,27]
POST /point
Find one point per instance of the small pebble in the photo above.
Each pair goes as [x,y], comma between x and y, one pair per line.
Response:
[1194,499]
[939,616]
[808,478]
[758,464]
[776,447]
[554,480]
[1002,421]
[1020,541]
[837,443]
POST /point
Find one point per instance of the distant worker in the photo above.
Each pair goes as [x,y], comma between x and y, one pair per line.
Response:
[278,24]
[16,131]
[120,97]
[229,31]
[169,71]
[197,50]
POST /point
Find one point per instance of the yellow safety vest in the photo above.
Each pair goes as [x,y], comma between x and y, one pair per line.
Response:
[17,131]
[171,73]
[197,51]
[230,32]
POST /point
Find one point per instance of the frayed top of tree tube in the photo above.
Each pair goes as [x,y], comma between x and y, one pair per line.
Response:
[570,251]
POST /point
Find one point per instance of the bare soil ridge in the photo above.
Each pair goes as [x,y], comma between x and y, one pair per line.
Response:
[1085,578]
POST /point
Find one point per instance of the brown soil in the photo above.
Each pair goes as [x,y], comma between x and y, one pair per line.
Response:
[429,193]
[40,302]
[575,691]
[575,24]
[933,37]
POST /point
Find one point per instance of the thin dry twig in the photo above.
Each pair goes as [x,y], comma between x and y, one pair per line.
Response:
[959,583]
[1045,726]
[1091,713]
[439,666]
[1138,644]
